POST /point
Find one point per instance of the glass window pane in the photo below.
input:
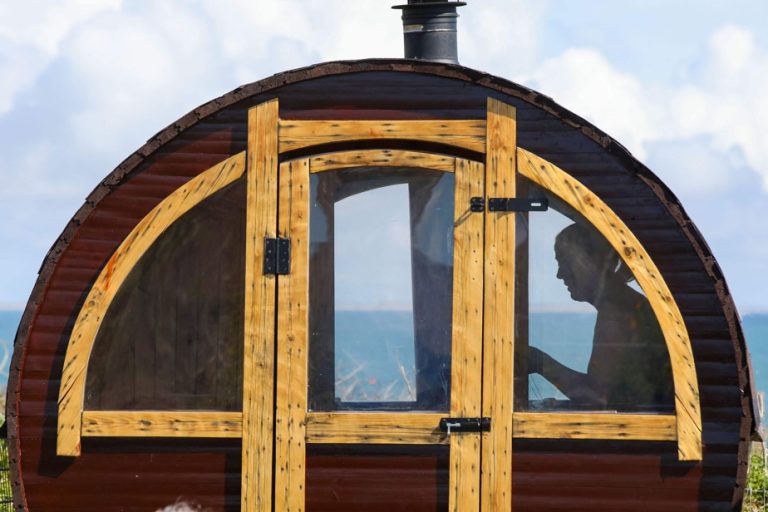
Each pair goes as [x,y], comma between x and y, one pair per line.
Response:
[381,271]
[587,338]
[375,360]
[172,338]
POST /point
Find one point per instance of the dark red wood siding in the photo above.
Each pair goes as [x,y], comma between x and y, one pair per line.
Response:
[122,474]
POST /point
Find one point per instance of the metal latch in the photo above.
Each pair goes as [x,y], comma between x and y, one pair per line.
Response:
[509,204]
[449,425]
[517,204]
[277,256]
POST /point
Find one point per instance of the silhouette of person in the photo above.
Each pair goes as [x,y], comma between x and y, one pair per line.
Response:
[629,367]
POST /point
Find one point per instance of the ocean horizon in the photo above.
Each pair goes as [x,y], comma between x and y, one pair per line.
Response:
[545,327]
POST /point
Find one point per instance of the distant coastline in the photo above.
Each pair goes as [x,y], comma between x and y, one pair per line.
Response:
[755,328]
[9,322]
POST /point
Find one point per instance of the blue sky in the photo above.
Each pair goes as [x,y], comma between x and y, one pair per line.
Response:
[684,85]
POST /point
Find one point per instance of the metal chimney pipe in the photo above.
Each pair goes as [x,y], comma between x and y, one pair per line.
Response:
[429,30]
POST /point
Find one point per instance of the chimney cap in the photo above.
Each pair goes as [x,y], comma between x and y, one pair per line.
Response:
[429,30]
[429,3]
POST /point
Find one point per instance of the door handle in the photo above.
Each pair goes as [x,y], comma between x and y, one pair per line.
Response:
[449,425]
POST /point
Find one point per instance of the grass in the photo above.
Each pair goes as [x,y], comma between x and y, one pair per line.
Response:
[6,497]
[756,496]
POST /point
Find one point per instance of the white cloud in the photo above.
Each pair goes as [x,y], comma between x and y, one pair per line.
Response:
[46,23]
[30,36]
[735,86]
[705,136]
[133,69]
[19,67]
[98,77]
[269,37]
[733,51]
[501,36]
[583,80]
[137,69]
[361,29]
[245,42]
[694,166]
[725,101]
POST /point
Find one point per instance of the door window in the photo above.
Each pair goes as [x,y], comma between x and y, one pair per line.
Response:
[381,267]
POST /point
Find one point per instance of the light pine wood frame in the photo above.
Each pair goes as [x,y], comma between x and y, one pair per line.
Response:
[378,428]
[217,424]
[292,339]
[294,426]
[461,134]
[464,485]
[375,428]
[268,137]
[572,425]
[260,304]
[381,157]
[498,317]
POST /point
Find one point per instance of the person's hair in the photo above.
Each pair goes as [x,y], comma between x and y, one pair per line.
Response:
[181,506]
[594,245]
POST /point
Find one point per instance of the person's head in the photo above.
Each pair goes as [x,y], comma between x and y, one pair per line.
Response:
[181,506]
[586,262]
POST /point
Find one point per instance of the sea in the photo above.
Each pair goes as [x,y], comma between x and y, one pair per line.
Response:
[756,332]
[9,322]
[389,345]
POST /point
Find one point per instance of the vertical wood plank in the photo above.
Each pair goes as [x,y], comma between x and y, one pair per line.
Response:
[144,359]
[258,350]
[185,343]
[210,275]
[292,346]
[165,355]
[498,321]
[230,327]
[466,351]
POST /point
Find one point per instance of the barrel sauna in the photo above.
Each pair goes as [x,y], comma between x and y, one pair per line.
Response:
[381,285]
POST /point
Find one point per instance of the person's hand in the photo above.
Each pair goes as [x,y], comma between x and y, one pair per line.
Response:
[535,360]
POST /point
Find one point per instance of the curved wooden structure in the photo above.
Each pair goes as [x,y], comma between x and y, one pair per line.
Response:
[72,390]
[279,132]
[649,278]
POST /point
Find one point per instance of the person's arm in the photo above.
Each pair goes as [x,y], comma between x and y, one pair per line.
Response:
[575,385]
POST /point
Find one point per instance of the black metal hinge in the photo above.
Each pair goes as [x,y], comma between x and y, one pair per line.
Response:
[277,256]
[517,204]
[477,204]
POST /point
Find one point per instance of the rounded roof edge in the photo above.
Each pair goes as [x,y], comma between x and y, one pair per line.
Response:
[451,71]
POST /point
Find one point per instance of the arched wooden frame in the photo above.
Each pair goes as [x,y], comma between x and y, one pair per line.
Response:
[141,238]
[268,137]
[587,203]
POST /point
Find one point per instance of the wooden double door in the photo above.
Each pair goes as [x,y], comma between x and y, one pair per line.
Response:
[384,285]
